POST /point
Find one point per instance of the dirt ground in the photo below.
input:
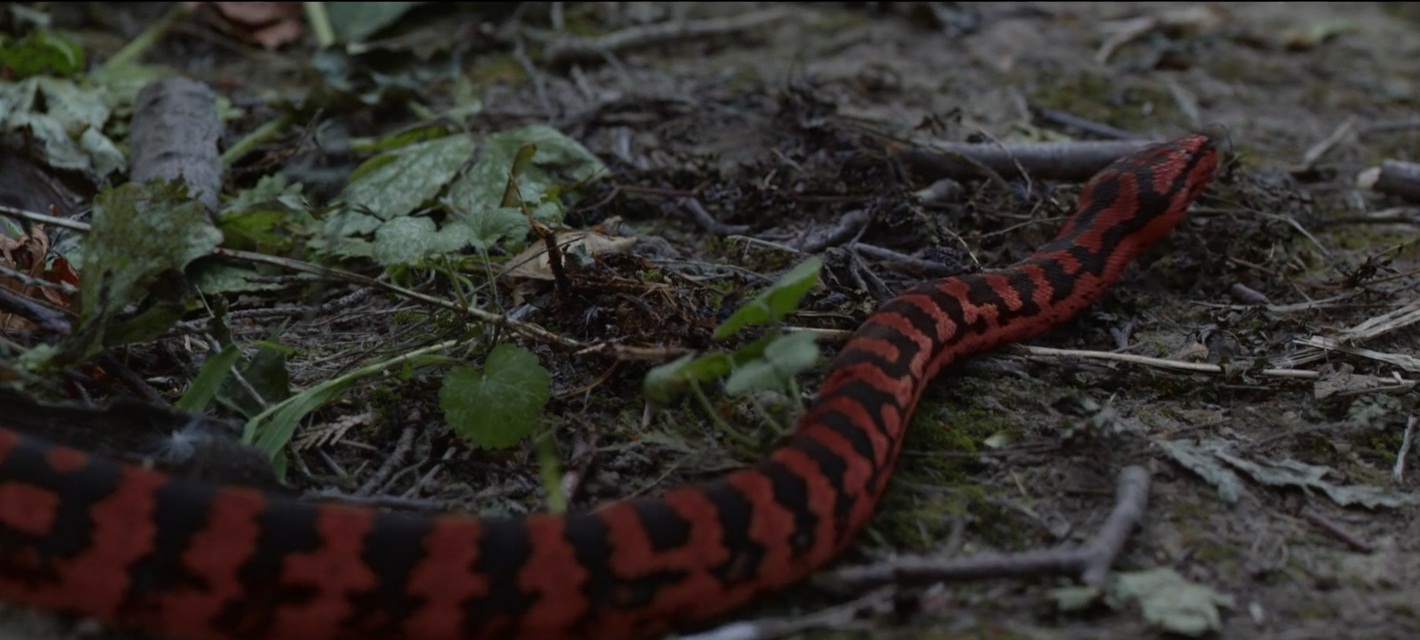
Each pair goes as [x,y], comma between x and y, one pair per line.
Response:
[1274,500]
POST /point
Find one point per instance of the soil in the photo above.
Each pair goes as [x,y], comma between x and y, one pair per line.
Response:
[781,128]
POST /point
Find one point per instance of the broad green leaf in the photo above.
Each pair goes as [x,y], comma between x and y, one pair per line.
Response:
[65,120]
[667,379]
[559,161]
[672,377]
[490,226]
[407,240]
[498,406]
[39,53]
[784,357]
[215,369]
[355,21]
[779,300]
[404,179]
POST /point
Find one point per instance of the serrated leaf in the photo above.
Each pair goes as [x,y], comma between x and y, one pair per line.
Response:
[407,240]
[66,120]
[1201,460]
[1294,473]
[491,226]
[559,160]
[404,179]
[784,357]
[775,302]
[498,406]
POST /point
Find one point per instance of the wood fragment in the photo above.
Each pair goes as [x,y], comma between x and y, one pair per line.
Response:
[174,137]
[1393,177]
[1091,562]
[576,49]
[1074,161]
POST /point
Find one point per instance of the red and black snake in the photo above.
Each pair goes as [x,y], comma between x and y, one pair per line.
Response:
[138,549]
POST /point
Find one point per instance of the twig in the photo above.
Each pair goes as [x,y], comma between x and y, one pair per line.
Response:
[584,453]
[1310,158]
[1393,215]
[42,315]
[846,226]
[1131,498]
[571,50]
[1056,116]
[928,267]
[1397,473]
[709,222]
[1336,530]
[1248,295]
[1091,562]
[1393,177]
[1048,160]
[1388,127]
[1175,365]
[387,468]
[835,618]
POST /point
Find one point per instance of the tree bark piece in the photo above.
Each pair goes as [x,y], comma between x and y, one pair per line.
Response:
[174,136]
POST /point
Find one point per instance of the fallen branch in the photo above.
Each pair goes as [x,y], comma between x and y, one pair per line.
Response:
[1394,178]
[1074,161]
[1090,562]
[575,49]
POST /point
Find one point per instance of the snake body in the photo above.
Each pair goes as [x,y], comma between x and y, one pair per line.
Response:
[139,549]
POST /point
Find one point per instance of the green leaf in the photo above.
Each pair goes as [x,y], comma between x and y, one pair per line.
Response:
[498,406]
[41,53]
[271,217]
[398,182]
[273,434]
[779,300]
[134,254]
[355,21]
[784,357]
[559,160]
[490,226]
[265,373]
[215,369]
[66,120]
[408,240]
[672,377]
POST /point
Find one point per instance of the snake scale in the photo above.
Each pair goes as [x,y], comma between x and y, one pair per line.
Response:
[136,548]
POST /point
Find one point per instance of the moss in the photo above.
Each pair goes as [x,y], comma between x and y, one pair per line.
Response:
[1129,103]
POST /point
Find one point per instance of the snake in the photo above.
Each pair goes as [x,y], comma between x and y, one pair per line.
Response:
[136,548]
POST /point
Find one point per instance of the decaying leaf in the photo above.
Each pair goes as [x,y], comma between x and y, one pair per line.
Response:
[533,262]
[26,255]
[1170,603]
[1212,462]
